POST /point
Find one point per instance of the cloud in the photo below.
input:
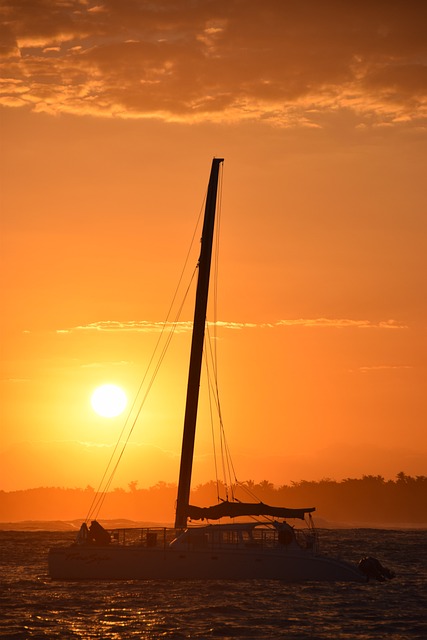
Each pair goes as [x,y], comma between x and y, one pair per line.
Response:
[384,367]
[340,323]
[138,326]
[285,62]
[144,326]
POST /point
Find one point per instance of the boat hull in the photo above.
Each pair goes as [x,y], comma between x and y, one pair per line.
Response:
[141,563]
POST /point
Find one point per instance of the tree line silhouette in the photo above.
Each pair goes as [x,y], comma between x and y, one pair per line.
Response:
[370,500]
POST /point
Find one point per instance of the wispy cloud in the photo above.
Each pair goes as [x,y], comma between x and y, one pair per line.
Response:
[284,62]
[383,367]
[343,323]
[133,326]
[144,326]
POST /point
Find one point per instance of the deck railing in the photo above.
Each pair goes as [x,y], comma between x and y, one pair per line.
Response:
[161,538]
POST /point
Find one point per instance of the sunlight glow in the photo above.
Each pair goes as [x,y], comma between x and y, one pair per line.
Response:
[109,401]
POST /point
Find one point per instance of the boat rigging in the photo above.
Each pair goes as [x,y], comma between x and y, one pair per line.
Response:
[266,549]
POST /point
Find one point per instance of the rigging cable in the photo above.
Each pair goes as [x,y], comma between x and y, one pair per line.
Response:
[102,489]
[103,494]
[228,472]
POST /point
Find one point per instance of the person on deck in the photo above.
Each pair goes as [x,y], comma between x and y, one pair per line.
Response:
[98,534]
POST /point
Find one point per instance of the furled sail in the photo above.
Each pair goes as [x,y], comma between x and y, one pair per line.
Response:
[228,509]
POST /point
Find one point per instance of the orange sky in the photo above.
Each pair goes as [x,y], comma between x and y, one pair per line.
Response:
[110,115]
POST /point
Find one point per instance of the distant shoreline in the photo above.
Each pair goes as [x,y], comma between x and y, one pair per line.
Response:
[368,502]
[74,525]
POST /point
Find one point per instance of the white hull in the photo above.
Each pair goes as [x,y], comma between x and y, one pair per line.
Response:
[141,563]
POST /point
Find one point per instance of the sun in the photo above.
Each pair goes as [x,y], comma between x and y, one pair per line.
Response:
[108,401]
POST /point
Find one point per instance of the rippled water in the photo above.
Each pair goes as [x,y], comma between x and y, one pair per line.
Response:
[33,606]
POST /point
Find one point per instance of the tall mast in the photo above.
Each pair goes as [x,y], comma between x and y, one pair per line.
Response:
[197,349]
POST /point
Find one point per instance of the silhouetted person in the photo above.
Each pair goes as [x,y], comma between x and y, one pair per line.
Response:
[83,536]
[98,534]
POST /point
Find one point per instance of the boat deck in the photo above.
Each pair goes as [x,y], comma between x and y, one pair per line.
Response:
[214,537]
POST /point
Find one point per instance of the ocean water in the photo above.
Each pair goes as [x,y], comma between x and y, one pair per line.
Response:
[33,606]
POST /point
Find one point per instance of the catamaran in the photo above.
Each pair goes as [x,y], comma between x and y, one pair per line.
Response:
[262,546]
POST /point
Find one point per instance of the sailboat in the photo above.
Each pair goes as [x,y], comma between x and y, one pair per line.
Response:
[264,546]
